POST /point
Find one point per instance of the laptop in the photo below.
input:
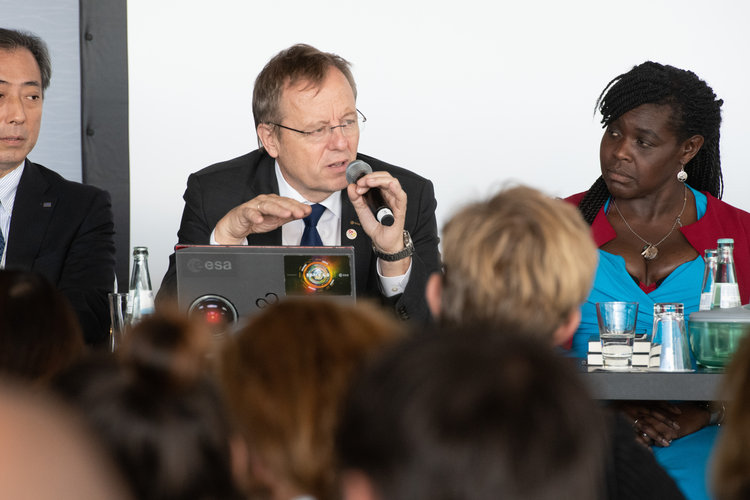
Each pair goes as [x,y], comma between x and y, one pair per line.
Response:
[229,283]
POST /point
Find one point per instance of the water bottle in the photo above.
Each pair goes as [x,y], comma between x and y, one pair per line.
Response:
[726,291]
[711,259]
[140,294]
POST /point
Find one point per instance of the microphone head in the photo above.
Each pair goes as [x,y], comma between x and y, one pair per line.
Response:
[357,169]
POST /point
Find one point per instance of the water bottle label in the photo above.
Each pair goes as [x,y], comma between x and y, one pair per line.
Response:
[140,304]
[705,304]
[146,302]
[728,295]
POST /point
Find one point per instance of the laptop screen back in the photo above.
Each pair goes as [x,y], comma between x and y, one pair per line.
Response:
[250,277]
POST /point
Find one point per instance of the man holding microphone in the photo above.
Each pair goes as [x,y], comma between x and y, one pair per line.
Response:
[293,190]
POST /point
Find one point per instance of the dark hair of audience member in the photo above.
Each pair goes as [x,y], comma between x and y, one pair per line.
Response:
[731,463]
[39,332]
[284,376]
[472,414]
[158,412]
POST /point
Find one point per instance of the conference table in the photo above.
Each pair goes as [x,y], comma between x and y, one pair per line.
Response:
[644,384]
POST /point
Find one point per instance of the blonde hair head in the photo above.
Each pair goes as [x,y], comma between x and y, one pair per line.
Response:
[520,259]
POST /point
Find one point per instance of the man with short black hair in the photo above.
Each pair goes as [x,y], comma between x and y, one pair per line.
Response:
[61,229]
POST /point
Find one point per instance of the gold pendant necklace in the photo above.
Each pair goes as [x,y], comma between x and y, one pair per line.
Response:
[649,251]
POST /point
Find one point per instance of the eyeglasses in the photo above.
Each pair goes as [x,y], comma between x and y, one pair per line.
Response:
[348,128]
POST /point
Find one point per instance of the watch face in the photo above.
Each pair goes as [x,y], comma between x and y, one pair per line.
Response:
[407,239]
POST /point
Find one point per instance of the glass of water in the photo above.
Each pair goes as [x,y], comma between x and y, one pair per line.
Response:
[617,332]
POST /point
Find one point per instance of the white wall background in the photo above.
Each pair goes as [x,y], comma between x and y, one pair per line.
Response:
[471,94]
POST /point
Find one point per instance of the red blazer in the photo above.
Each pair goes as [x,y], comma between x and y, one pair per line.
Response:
[721,220]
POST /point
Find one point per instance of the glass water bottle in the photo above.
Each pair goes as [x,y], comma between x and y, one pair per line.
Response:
[726,291]
[711,259]
[141,296]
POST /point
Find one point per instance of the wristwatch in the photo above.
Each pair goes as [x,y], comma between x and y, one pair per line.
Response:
[408,250]
[716,412]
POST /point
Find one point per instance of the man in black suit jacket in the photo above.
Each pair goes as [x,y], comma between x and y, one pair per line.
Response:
[61,229]
[261,198]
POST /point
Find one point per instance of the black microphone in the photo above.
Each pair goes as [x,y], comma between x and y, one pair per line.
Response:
[373,197]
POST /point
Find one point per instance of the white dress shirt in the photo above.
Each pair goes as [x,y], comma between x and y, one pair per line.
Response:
[329,225]
[8,188]
[329,228]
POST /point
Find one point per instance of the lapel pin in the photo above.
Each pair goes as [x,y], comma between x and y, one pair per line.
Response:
[46,204]
[351,234]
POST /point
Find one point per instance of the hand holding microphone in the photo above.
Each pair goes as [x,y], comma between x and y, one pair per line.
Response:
[374,199]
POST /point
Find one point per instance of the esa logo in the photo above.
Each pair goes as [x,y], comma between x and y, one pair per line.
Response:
[199,265]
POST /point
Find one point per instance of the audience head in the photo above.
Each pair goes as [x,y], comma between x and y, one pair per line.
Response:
[158,414]
[519,259]
[470,413]
[39,332]
[695,111]
[14,40]
[169,344]
[284,376]
[46,452]
[731,463]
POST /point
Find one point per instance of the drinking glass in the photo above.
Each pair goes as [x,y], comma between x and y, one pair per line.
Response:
[617,332]
[669,338]
[118,305]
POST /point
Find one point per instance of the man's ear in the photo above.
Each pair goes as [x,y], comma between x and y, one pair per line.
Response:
[434,294]
[565,331]
[269,138]
[355,485]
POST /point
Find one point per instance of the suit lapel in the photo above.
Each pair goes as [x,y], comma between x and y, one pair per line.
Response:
[353,234]
[264,181]
[32,212]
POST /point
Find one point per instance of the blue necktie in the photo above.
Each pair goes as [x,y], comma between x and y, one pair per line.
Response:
[311,237]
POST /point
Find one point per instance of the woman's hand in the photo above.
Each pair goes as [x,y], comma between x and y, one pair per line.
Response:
[656,423]
[659,423]
[693,417]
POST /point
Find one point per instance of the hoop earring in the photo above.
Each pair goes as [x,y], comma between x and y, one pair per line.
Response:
[682,175]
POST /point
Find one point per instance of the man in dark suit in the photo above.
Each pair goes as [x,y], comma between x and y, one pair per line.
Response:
[304,105]
[61,229]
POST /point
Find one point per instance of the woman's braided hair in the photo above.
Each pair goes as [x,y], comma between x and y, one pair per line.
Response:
[695,110]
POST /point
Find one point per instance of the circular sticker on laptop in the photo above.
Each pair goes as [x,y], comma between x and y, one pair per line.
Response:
[317,274]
